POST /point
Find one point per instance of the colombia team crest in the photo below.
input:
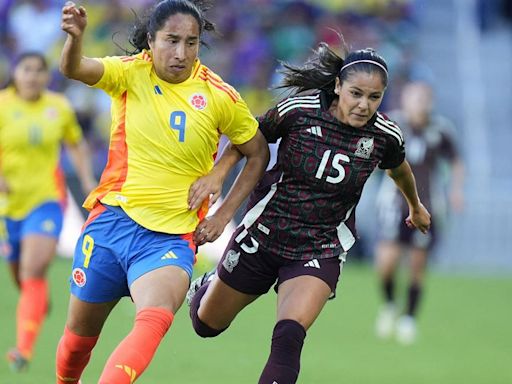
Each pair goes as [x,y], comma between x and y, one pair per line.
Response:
[79,277]
[198,101]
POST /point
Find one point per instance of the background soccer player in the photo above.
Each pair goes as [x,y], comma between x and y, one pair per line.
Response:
[300,220]
[168,112]
[429,145]
[34,122]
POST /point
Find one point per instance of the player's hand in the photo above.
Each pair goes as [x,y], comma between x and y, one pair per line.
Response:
[419,218]
[209,230]
[74,19]
[209,186]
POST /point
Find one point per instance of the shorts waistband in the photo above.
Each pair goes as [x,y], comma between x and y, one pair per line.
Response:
[117,210]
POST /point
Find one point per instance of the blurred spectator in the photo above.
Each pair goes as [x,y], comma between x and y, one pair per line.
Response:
[23,18]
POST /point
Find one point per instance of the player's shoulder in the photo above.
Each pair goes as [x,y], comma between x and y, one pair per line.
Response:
[217,85]
[143,58]
[133,62]
[299,103]
[384,124]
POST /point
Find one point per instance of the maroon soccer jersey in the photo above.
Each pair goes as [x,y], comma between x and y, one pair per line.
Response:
[304,207]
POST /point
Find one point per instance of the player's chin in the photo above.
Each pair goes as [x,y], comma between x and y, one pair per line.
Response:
[358,122]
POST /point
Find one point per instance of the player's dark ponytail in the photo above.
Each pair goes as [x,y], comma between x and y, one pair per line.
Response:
[319,72]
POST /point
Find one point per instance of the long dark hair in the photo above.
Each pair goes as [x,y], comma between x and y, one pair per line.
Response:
[156,17]
[319,72]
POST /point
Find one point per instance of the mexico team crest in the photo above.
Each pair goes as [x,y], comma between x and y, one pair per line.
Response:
[364,147]
[231,260]
[198,101]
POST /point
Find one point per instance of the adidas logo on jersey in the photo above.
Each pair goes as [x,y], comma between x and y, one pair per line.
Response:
[313,264]
[169,255]
[316,130]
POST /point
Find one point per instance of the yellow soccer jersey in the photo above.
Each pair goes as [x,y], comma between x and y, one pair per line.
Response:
[31,134]
[163,138]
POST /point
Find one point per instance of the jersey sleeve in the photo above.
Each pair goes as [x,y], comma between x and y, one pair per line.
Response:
[114,79]
[272,125]
[72,132]
[237,122]
[394,154]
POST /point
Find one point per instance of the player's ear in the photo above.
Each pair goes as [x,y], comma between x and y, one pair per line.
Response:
[337,85]
[150,41]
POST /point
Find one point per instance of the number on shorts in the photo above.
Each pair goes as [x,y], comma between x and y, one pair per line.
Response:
[87,246]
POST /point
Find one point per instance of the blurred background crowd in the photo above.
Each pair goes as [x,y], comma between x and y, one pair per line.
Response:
[463,48]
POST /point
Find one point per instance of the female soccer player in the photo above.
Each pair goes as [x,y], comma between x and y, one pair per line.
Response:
[300,220]
[429,145]
[34,122]
[168,111]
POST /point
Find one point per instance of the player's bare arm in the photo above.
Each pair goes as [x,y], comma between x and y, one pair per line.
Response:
[403,177]
[72,64]
[210,185]
[257,153]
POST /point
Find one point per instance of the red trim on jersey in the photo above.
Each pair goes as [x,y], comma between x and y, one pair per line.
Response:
[203,209]
[127,59]
[189,237]
[231,96]
[197,70]
[217,82]
[114,174]
[98,210]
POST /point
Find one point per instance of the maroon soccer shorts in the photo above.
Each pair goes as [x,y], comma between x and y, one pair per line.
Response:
[248,268]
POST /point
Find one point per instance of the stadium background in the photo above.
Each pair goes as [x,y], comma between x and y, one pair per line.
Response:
[463,48]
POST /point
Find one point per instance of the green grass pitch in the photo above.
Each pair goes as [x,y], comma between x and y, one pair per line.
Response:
[465,337]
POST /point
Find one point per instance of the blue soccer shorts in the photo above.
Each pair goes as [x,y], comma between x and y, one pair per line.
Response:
[46,220]
[113,251]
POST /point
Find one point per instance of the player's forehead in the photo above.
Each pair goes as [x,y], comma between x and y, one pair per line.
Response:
[179,25]
[370,82]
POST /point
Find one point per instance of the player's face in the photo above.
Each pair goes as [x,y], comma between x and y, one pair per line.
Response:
[175,48]
[30,78]
[359,97]
[417,103]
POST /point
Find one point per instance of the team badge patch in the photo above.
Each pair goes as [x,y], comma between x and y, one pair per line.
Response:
[79,277]
[198,101]
[231,260]
[48,226]
[364,147]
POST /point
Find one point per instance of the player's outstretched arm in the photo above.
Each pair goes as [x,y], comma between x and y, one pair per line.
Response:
[210,185]
[72,64]
[403,177]
[257,153]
